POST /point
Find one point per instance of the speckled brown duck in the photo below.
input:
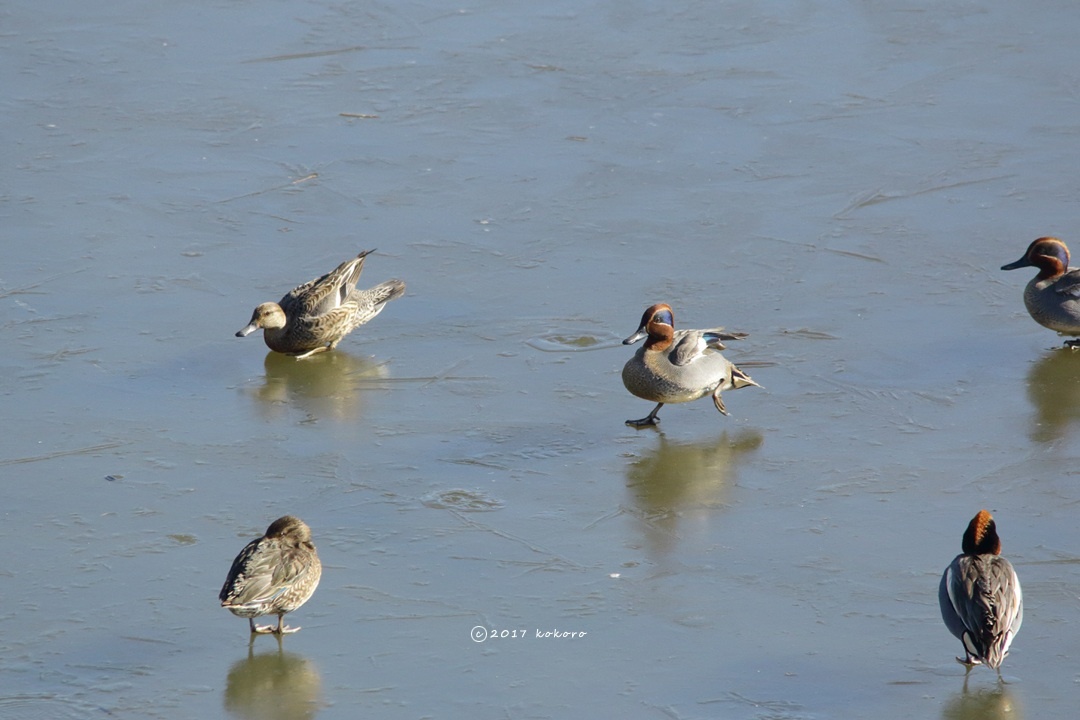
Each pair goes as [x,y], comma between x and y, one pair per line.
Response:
[273,575]
[315,316]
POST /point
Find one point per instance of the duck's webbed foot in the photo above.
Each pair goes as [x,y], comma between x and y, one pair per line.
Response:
[284,629]
[718,402]
[968,661]
[647,421]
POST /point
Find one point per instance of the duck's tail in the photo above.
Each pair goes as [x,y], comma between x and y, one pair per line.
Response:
[739,379]
[387,291]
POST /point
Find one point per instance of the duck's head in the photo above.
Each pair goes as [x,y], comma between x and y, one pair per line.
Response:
[291,530]
[657,324]
[268,315]
[981,536]
[1048,254]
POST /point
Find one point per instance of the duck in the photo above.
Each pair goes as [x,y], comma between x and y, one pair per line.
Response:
[273,575]
[980,597]
[1052,297]
[676,366]
[315,316]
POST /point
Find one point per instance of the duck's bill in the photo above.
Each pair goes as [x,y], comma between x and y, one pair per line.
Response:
[1021,263]
[641,334]
[252,327]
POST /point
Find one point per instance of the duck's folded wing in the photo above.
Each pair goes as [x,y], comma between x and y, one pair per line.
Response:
[324,294]
[952,618]
[985,593]
[1004,590]
[294,564]
[251,579]
[714,336]
[1069,284]
[961,584]
[688,345]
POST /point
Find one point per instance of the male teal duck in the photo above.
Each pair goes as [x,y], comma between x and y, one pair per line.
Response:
[315,316]
[1052,297]
[980,598]
[675,366]
[273,575]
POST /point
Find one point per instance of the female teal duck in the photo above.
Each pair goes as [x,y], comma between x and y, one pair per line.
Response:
[273,575]
[315,316]
[980,598]
[1052,297]
[679,366]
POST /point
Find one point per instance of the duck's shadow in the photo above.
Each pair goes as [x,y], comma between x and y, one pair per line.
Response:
[675,479]
[330,384]
[273,685]
[1053,387]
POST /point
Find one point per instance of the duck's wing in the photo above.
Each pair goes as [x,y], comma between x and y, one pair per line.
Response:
[262,571]
[969,605]
[327,293]
[248,577]
[1002,588]
[985,595]
[1069,284]
[949,595]
[714,336]
[688,345]
[360,307]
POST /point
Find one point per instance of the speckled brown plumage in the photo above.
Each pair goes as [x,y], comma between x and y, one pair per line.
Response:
[273,575]
[315,316]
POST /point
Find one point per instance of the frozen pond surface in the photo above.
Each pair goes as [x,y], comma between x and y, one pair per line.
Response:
[842,180]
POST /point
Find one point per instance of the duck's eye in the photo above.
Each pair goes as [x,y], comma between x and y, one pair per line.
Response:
[1053,250]
[664,317]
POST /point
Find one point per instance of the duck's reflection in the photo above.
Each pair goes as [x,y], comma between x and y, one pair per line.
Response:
[329,384]
[273,685]
[674,478]
[1053,387]
[989,703]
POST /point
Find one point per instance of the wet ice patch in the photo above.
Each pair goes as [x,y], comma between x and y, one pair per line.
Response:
[462,500]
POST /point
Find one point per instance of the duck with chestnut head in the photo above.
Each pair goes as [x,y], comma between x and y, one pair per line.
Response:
[676,366]
[1052,297]
[980,597]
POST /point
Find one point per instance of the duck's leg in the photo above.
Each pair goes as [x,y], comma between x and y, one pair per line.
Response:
[283,629]
[260,629]
[648,420]
[316,351]
[718,402]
